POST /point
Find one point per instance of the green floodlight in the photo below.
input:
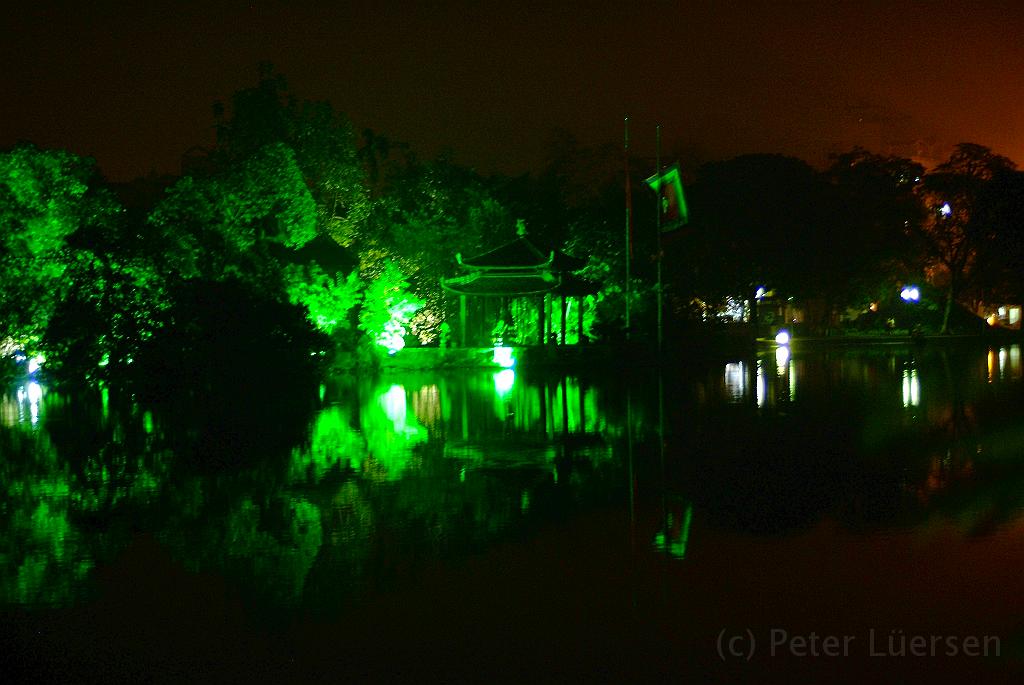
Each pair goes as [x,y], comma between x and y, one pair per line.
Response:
[503,357]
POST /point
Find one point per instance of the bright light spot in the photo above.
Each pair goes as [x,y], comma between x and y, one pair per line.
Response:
[792,380]
[34,394]
[992,319]
[945,209]
[782,359]
[396,409]
[910,294]
[394,405]
[762,385]
[736,380]
[503,382]
[147,422]
[760,293]
[911,388]
[35,362]
[782,337]
[392,338]
[503,357]
[873,306]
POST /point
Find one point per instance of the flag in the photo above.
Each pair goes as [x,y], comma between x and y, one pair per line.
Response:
[671,201]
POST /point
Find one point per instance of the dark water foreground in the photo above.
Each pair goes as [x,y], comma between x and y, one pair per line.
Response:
[851,515]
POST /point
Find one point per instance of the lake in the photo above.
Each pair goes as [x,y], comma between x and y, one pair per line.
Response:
[830,513]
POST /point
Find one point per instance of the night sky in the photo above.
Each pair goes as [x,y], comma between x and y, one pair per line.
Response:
[132,83]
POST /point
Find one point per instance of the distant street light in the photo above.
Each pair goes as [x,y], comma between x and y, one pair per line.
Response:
[945,209]
[910,294]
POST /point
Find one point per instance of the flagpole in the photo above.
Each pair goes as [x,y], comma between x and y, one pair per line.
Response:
[629,225]
[657,173]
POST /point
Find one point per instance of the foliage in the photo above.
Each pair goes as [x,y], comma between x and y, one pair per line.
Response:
[959,243]
[45,196]
[429,212]
[388,307]
[223,225]
[321,139]
[876,211]
[328,299]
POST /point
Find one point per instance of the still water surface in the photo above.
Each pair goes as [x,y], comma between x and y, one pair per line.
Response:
[503,524]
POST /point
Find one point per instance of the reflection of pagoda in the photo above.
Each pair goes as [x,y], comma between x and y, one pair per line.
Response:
[520,294]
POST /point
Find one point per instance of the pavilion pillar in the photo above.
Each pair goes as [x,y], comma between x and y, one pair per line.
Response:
[564,312]
[579,320]
[547,314]
[542,321]
[462,320]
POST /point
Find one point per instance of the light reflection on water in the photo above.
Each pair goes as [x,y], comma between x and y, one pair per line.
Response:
[419,466]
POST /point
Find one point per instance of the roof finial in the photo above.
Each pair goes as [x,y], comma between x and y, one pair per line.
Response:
[520,228]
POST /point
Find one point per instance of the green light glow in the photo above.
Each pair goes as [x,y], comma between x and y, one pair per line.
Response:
[503,357]
[388,308]
[333,443]
[503,382]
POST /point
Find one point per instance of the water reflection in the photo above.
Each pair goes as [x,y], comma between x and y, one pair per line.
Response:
[383,476]
[1004,363]
[911,388]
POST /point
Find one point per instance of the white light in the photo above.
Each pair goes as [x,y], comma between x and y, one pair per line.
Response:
[910,294]
[760,293]
[945,209]
[35,396]
[781,360]
[35,362]
[782,337]
[503,382]
[503,357]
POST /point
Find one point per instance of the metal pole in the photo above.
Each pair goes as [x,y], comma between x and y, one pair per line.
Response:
[657,172]
[629,232]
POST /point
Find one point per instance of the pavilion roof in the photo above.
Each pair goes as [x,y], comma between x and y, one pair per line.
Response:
[522,253]
[516,283]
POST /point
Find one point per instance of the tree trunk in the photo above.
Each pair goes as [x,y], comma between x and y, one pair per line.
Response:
[948,308]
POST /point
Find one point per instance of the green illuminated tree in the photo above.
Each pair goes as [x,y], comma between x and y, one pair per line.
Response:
[425,215]
[329,299]
[388,307]
[321,139]
[45,197]
[224,225]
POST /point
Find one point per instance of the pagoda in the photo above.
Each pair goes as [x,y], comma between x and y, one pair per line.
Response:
[509,295]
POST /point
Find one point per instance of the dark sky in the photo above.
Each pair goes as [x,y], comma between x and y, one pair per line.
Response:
[132,83]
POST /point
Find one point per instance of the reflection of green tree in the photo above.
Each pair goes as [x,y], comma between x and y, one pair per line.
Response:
[53,476]
[41,559]
[334,444]
[281,552]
